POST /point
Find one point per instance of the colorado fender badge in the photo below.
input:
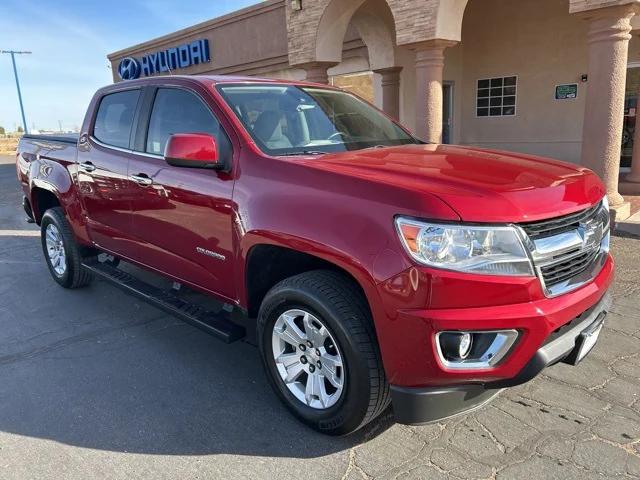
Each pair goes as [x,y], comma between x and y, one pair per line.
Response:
[209,253]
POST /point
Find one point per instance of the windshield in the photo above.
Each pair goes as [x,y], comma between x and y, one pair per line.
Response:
[290,120]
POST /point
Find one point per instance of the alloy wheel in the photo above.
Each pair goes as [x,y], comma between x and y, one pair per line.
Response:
[55,249]
[308,359]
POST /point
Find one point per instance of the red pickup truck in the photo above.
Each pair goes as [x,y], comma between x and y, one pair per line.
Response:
[375,268]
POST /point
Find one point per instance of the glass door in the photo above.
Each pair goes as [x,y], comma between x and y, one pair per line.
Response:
[447,112]
[630,113]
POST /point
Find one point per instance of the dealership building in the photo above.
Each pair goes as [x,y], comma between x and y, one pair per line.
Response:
[558,78]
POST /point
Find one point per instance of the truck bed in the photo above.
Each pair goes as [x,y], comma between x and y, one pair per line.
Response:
[61,149]
[63,137]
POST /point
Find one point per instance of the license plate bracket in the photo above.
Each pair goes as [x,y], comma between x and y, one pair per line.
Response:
[585,342]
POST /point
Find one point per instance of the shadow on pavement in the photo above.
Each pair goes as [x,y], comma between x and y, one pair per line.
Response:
[95,368]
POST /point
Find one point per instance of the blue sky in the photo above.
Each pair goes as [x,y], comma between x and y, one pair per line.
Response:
[70,40]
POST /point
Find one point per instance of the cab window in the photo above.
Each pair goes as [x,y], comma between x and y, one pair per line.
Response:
[114,118]
[180,111]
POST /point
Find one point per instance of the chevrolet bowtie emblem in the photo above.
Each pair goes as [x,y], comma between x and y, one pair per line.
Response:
[591,233]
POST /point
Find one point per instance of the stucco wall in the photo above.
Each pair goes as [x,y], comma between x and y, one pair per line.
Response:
[584,5]
[541,43]
[251,41]
[406,59]
[415,21]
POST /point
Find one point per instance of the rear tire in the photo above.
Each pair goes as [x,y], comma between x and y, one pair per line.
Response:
[332,315]
[61,251]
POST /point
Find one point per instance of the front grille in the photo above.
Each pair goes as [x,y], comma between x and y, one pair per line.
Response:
[557,267]
[566,269]
[555,226]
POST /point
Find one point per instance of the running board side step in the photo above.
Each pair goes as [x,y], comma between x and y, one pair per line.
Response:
[217,324]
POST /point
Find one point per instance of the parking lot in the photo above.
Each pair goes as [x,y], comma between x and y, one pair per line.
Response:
[95,384]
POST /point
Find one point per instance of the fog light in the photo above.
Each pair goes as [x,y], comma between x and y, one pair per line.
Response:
[466,340]
[456,345]
[474,350]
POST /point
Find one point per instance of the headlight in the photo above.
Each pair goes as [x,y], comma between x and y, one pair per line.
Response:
[465,248]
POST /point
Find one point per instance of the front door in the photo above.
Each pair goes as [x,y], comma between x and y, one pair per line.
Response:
[183,216]
[103,158]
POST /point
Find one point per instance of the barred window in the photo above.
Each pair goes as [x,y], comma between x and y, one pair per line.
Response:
[496,97]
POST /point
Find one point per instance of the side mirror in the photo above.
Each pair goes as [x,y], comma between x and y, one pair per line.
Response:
[192,150]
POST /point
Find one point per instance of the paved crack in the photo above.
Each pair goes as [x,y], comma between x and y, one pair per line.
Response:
[65,342]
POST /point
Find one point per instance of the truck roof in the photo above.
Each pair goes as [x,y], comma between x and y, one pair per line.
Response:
[214,79]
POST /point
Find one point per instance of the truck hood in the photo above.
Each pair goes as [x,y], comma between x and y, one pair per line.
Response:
[480,185]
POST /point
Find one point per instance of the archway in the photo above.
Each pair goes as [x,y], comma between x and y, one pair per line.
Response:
[425,27]
[315,30]
[373,19]
[374,23]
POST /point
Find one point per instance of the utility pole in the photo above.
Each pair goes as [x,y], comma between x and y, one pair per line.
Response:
[13,54]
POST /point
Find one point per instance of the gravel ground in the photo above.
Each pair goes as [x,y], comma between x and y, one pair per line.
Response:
[95,384]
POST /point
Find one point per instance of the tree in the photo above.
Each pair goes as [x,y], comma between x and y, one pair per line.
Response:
[20,129]
[2,131]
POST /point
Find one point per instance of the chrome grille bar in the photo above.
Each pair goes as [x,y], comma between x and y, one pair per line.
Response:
[554,226]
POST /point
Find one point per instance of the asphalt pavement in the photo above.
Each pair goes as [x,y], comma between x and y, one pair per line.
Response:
[96,384]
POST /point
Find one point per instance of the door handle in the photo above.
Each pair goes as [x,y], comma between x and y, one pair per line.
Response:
[87,166]
[141,179]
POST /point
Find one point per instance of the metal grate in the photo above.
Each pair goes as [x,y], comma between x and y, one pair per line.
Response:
[555,226]
[566,269]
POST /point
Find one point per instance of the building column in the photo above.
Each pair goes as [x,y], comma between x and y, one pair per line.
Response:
[317,71]
[429,67]
[608,38]
[390,91]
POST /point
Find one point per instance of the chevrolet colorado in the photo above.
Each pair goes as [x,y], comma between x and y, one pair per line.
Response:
[376,268]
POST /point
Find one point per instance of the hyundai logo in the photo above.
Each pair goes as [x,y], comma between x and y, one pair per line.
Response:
[129,68]
[165,61]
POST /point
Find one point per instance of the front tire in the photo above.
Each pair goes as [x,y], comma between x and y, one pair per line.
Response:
[61,251]
[320,353]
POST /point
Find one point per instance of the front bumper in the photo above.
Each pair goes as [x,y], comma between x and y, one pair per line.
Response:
[423,405]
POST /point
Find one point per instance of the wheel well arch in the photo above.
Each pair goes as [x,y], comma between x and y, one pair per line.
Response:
[41,201]
[267,264]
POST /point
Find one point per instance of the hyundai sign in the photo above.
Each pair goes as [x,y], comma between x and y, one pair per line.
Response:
[167,60]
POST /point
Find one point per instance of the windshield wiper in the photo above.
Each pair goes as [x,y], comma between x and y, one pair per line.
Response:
[302,152]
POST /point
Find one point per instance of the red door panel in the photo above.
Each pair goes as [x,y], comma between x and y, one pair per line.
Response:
[182,223]
[103,157]
[182,217]
[106,194]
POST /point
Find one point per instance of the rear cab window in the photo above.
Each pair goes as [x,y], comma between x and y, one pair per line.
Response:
[114,118]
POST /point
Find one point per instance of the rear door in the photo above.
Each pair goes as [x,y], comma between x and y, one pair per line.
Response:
[183,216]
[103,158]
